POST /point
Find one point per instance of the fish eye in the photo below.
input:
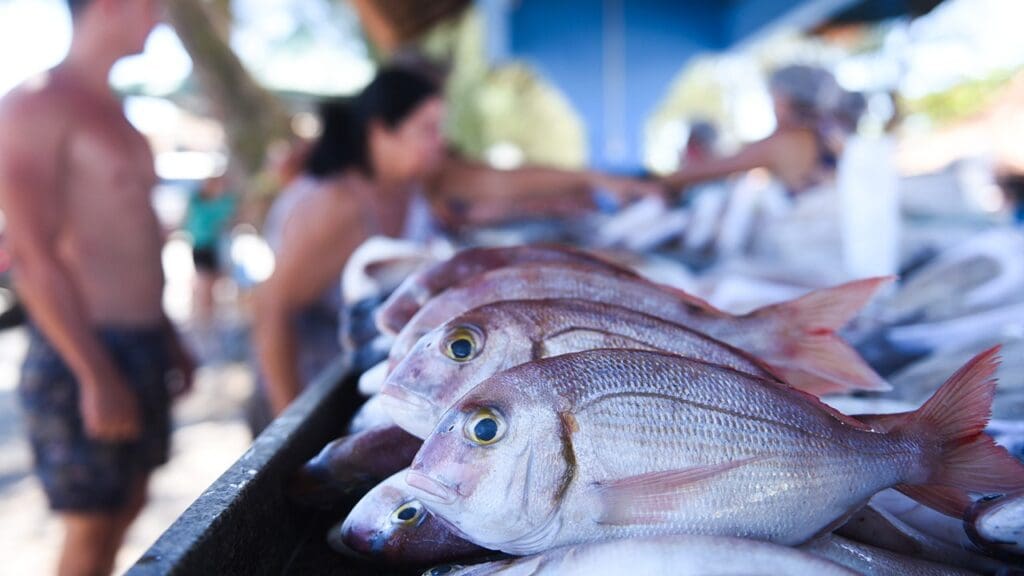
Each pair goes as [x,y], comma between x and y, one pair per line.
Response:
[484,427]
[462,344]
[408,513]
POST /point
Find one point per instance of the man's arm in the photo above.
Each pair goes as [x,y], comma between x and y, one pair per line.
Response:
[756,155]
[313,238]
[182,363]
[31,164]
[473,193]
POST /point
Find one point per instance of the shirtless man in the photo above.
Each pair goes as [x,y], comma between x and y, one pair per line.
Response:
[75,183]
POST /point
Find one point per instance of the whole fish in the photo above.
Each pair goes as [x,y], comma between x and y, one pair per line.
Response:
[454,357]
[678,555]
[896,523]
[997,524]
[795,339]
[871,561]
[351,465]
[418,288]
[614,443]
[390,525]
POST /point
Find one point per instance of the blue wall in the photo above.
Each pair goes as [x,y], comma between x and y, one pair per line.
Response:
[614,59]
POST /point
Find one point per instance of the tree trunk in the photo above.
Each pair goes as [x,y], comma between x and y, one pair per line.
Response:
[252,116]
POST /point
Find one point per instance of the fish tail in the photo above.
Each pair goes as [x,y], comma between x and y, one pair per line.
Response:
[968,461]
[807,353]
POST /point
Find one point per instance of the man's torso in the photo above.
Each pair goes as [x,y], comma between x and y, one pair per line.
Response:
[109,238]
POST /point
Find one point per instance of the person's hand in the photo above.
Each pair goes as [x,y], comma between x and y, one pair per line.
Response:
[627,190]
[183,369]
[110,410]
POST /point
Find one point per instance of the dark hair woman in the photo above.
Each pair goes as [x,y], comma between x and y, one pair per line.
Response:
[362,178]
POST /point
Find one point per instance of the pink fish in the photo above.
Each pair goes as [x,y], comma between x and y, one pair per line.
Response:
[459,354]
[417,289]
[608,444]
[796,339]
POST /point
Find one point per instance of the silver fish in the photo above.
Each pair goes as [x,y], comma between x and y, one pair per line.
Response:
[997,524]
[796,339]
[392,526]
[608,444]
[894,522]
[454,357]
[418,288]
[871,561]
[678,555]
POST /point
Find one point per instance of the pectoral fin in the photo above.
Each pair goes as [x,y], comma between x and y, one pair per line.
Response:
[652,497]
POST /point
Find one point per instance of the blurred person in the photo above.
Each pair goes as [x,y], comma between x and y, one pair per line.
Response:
[75,184]
[210,211]
[799,154]
[379,167]
[701,144]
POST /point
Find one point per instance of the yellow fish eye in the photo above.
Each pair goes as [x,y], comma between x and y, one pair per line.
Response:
[484,427]
[462,344]
[408,513]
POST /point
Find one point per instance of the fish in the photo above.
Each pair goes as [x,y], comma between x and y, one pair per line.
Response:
[372,272]
[917,381]
[678,555]
[372,380]
[945,335]
[452,358]
[894,522]
[351,465]
[871,561]
[796,339]
[380,264]
[391,526]
[419,288]
[996,524]
[607,444]
[985,271]
[372,414]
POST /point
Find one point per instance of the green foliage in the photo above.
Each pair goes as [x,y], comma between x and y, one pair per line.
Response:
[508,104]
[961,101]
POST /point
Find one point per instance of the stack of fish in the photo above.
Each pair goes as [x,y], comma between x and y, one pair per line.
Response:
[543,403]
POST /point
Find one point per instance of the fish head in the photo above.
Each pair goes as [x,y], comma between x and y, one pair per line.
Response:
[446,363]
[495,466]
[434,313]
[401,306]
[390,525]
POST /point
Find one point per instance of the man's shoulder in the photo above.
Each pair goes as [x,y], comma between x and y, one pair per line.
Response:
[36,103]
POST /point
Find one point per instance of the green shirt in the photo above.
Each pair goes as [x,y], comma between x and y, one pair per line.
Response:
[207,217]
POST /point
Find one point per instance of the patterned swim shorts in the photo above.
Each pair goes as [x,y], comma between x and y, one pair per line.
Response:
[78,473]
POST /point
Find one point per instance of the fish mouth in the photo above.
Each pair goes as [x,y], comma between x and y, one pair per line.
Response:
[400,397]
[343,540]
[411,412]
[436,490]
